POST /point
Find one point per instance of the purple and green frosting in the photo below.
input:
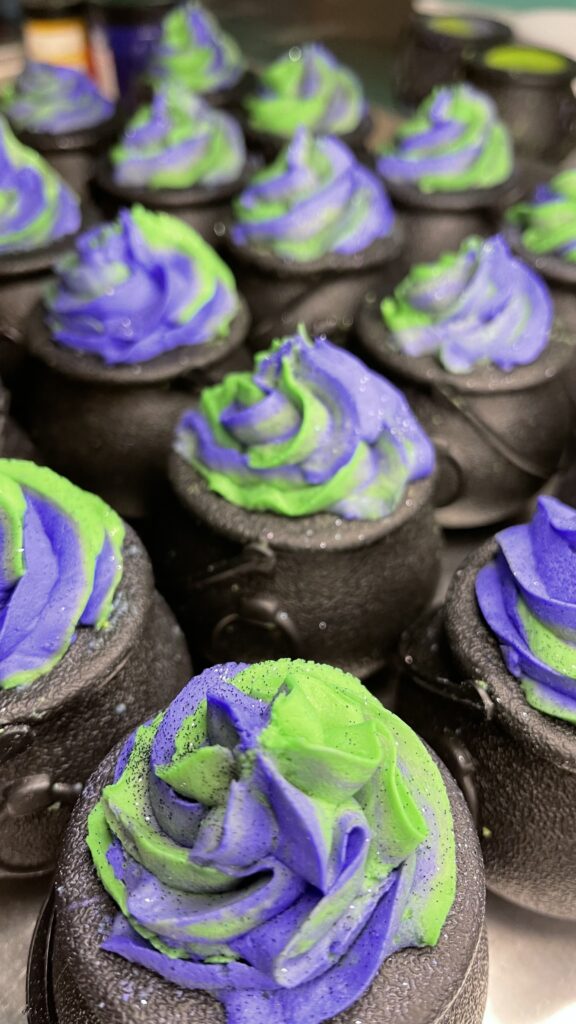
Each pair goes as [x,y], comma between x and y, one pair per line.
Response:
[195,53]
[454,142]
[307,88]
[271,838]
[139,287]
[478,306]
[61,563]
[36,206]
[316,199]
[179,142]
[54,100]
[547,224]
[311,429]
[527,596]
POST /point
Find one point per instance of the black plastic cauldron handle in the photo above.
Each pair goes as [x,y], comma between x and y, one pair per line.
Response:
[35,793]
[461,765]
[254,558]
[260,610]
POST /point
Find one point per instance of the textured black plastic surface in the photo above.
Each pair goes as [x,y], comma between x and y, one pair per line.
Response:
[499,436]
[109,428]
[270,145]
[323,295]
[441,985]
[106,682]
[524,761]
[73,154]
[248,586]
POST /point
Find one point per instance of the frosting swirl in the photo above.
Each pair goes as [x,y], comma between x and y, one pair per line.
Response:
[141,286]
[60,567]
[271,838]
[528,597]
[195,53]
[307,87]
[36,206]
[314,200]
[311,429]
[455,141]
[547,224]
[475,306]
[46,98]
[178,141]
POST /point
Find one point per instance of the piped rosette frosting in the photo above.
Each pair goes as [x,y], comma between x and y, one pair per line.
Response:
[36,206]
[140,287]
[61,563]
[453,143]
[195,53]
[271,838]
[55,100]
[316,199]
[310,429]
[527,596]
[478,306]
[179,142]
[307,88]
[547,224]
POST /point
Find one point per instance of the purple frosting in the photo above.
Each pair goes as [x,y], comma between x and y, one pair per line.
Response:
[51,99]
[140,287]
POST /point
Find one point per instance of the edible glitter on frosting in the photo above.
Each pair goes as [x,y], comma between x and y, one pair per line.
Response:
[55,100]
[272,838]
[60,567]
[480,305]
[455,141]
[310,429]
[177,141]
[139,287]
[527,596]
[307,87]
[315,199]
[195,53]
[36,206]
[547,223]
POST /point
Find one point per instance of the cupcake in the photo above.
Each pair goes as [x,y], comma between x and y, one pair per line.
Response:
[310,235]
[532,88]
[180,155]
[87,649]
[493,677]
[471,340]
[307,88]
[39,216]
[450,168]
[274,846]
[543,229]
[304,522]
[434,51]
[59,112]
[198,56]
[140,313]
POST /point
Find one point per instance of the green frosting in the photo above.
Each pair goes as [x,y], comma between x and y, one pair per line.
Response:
[529,59]
[458,28]
[337,744]
[548,223]
[195,52]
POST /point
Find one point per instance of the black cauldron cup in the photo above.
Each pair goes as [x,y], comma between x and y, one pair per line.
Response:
[70,977]
[499,436]
[73,154]
[516,766]
[56,730]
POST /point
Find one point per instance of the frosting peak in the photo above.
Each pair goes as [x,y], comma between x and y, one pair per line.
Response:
[61,562]
[179,142]
[272,838]
[139,287]
[455,141]
[528,597]
[195,53]
[310,430]
[46,98]
[547,223]
[315,199]
[307,87]
[475,306]
[36,206]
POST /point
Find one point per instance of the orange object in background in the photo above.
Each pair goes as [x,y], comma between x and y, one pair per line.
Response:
[56,33]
